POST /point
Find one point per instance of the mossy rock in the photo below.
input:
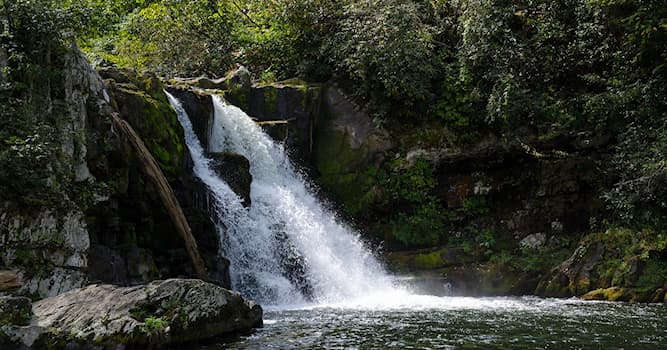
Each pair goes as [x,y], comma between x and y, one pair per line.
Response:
[142,102]
[428,259]
[609,294]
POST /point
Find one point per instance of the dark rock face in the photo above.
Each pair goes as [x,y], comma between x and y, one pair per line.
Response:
[132,237]
[346,144]
[524,193]
[161,313]
[199,107]
[452,271]
[235,170]
[289,111]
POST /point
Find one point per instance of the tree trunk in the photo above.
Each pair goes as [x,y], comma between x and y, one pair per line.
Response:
[152,170]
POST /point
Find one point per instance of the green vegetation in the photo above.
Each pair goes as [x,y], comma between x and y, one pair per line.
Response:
[437,74]
[154,325]
[417,217]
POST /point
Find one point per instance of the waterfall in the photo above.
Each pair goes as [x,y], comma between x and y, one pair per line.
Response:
[288,247]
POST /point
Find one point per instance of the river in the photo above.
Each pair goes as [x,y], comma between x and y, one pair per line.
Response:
[461,323]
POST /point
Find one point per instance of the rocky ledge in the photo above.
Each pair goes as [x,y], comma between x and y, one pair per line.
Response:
[159,314]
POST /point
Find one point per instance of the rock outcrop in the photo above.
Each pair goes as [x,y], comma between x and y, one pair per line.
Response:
[158,314]
[346,144]
[616,265]
[288,110]
[47,241]
[89,214]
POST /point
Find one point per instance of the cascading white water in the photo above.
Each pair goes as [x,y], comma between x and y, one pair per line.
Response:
[287,231]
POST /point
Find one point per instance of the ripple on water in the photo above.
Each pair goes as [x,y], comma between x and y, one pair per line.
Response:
[422,322]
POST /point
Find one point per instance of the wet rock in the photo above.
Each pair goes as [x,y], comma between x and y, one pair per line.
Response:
[459,188]
[145,107]
[157,314]
[235,170]
[199,107]
[573,276]
[289,111]
[610,294]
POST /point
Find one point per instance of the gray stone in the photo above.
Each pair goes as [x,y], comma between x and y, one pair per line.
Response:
[157,314]
[534,241]
[240,76]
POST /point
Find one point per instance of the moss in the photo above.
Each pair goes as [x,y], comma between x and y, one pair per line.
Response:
[25,257]
[429,260]
[15,311]
[238,95]
[580,286]
[350,189]
[271,102]
[146,108]
[616,294]
[332,153]
[341,174]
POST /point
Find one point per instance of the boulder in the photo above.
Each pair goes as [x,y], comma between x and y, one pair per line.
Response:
[573,276]
[610,294]
[158,314]
[240,77]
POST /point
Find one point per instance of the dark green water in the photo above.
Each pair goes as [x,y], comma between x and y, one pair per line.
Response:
[462,323]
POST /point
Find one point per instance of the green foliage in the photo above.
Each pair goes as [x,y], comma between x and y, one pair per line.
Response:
[154,325]
[387,45]
[178,37]
[423,219]
[632,258]
[504,258]
[638,195]
[475,206]
[456,104]
[407,183]
[654,274]
[422,227]
[32,78]
[267,77]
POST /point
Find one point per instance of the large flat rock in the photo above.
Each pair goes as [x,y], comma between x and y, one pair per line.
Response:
[157,314]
